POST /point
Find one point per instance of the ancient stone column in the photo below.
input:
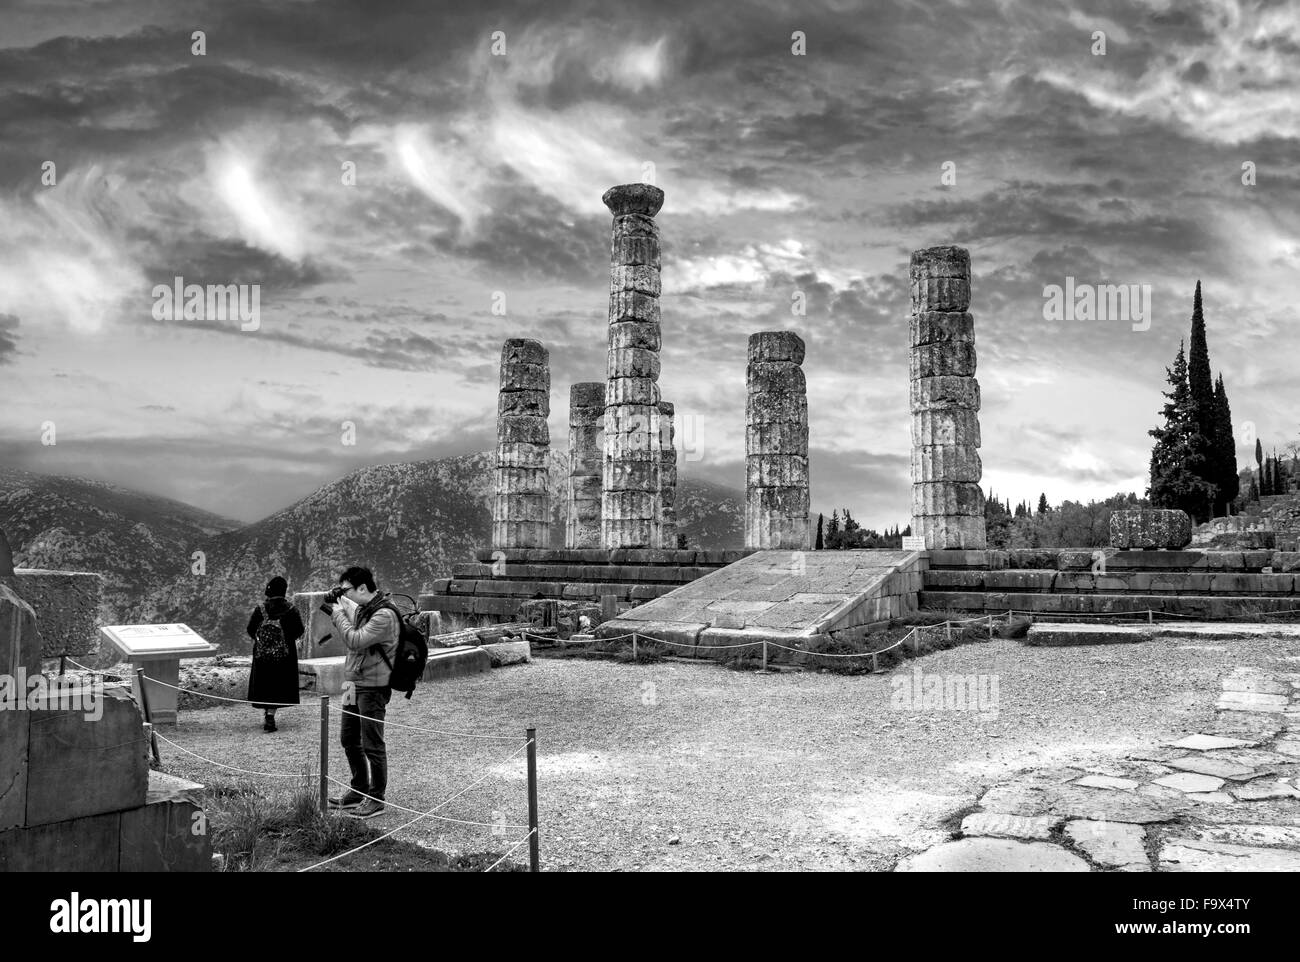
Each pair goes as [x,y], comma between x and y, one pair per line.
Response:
[776,443]
[667,477]
[631,503]
[586,454]
[947,501]
[521,505]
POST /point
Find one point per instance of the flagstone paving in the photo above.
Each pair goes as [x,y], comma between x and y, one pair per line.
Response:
[1223,800]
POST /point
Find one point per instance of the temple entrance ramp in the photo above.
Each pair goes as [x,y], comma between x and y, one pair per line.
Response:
[784,596]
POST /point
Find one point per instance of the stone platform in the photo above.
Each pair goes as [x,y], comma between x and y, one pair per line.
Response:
[500,581]
[792,598]
[1211,585]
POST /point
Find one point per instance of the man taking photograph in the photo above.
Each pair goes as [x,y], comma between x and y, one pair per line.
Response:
[370,634]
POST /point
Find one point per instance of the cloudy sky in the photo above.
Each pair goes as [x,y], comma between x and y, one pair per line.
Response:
[482,137]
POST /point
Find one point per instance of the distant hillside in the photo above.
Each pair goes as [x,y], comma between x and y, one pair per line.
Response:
[408,522]
[137,541]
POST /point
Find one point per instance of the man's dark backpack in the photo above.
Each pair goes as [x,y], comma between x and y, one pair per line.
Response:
[407,667]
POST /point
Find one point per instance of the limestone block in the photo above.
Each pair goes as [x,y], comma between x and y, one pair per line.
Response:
[937,327]
[522,507]
[517,429]
[633,362]
[776,346]
[791,502]
[778,377]
[641,278]
[523,350]
[168,833]
[631,446]
[631,391]
[631,249]
[947,497]
[521,534]
[633,306]
[586,401]
[321,676]
[533,456]
[947,294]
[632,335]
[951,427]
[956,359]
[585,487]
[78,766]
[951,531]
[18,634]
[508,653]
[776,471]
[525,377]
[632,476]
[523,481]
[630,532]
[66,604]
[776,407]
[1150,528]
[447,664]
[945,393]
[946,463]
[88,844]
[777,437]
[630,505]
[531,403]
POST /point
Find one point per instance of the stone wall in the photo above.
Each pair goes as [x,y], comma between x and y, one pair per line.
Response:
[66,605]
[76,793]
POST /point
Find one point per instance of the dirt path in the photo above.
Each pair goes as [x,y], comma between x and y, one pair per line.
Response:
[748,771]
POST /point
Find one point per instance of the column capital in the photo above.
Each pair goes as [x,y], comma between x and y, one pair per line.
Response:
[634,199]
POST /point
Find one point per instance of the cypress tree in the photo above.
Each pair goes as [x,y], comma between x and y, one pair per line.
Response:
[1178,457]
[1259,464]
[1225,450]
[1043,506]
[820,544]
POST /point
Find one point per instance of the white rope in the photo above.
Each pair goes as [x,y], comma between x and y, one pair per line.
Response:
[238,701]
[531,833]
[429,731]
[412,811]
[212,761]
[399,828]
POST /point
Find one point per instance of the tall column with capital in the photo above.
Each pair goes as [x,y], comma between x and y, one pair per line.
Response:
[521,503]
[586,455]
[632,503]
[947,501]
[776,443]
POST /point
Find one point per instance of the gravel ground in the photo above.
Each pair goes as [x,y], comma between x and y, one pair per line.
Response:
[675,766]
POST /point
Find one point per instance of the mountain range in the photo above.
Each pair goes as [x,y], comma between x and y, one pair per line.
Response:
[167,561]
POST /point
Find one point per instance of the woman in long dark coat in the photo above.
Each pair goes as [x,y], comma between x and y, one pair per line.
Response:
[275,628]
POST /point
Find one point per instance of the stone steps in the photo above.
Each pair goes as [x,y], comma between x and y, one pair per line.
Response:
[1114,581]
[1216,607]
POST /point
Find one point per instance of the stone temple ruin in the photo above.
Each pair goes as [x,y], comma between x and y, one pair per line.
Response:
[620,561]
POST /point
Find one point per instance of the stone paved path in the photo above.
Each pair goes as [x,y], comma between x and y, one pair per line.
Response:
[1223,800]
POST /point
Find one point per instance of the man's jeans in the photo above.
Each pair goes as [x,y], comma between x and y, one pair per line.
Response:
[363,741]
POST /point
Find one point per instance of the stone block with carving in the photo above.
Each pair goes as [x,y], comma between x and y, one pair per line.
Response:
[1150,528]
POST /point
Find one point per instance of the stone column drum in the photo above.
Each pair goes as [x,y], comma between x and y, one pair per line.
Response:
[521,505]
[947,501]
[586,454]
[776,444]
[667,477]
[631,503]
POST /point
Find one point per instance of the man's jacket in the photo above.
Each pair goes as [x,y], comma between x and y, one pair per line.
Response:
[376,628]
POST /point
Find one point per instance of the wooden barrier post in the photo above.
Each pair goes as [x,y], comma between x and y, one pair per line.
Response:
[324,754]
[765,654]
[634,654]
[148,717]
[534,844]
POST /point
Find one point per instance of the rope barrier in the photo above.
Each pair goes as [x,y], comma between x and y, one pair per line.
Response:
[430,731]
[412,811]
[238,701]
[233,768]
[511,850]
[467,788]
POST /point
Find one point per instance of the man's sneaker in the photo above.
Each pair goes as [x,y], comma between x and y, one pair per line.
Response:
[352,799]
[369,809]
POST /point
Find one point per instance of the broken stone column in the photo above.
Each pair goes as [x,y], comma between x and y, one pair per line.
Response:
[521,505]
[631,502]
[667,477]
[776,443]
[586,454]
[947,501]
